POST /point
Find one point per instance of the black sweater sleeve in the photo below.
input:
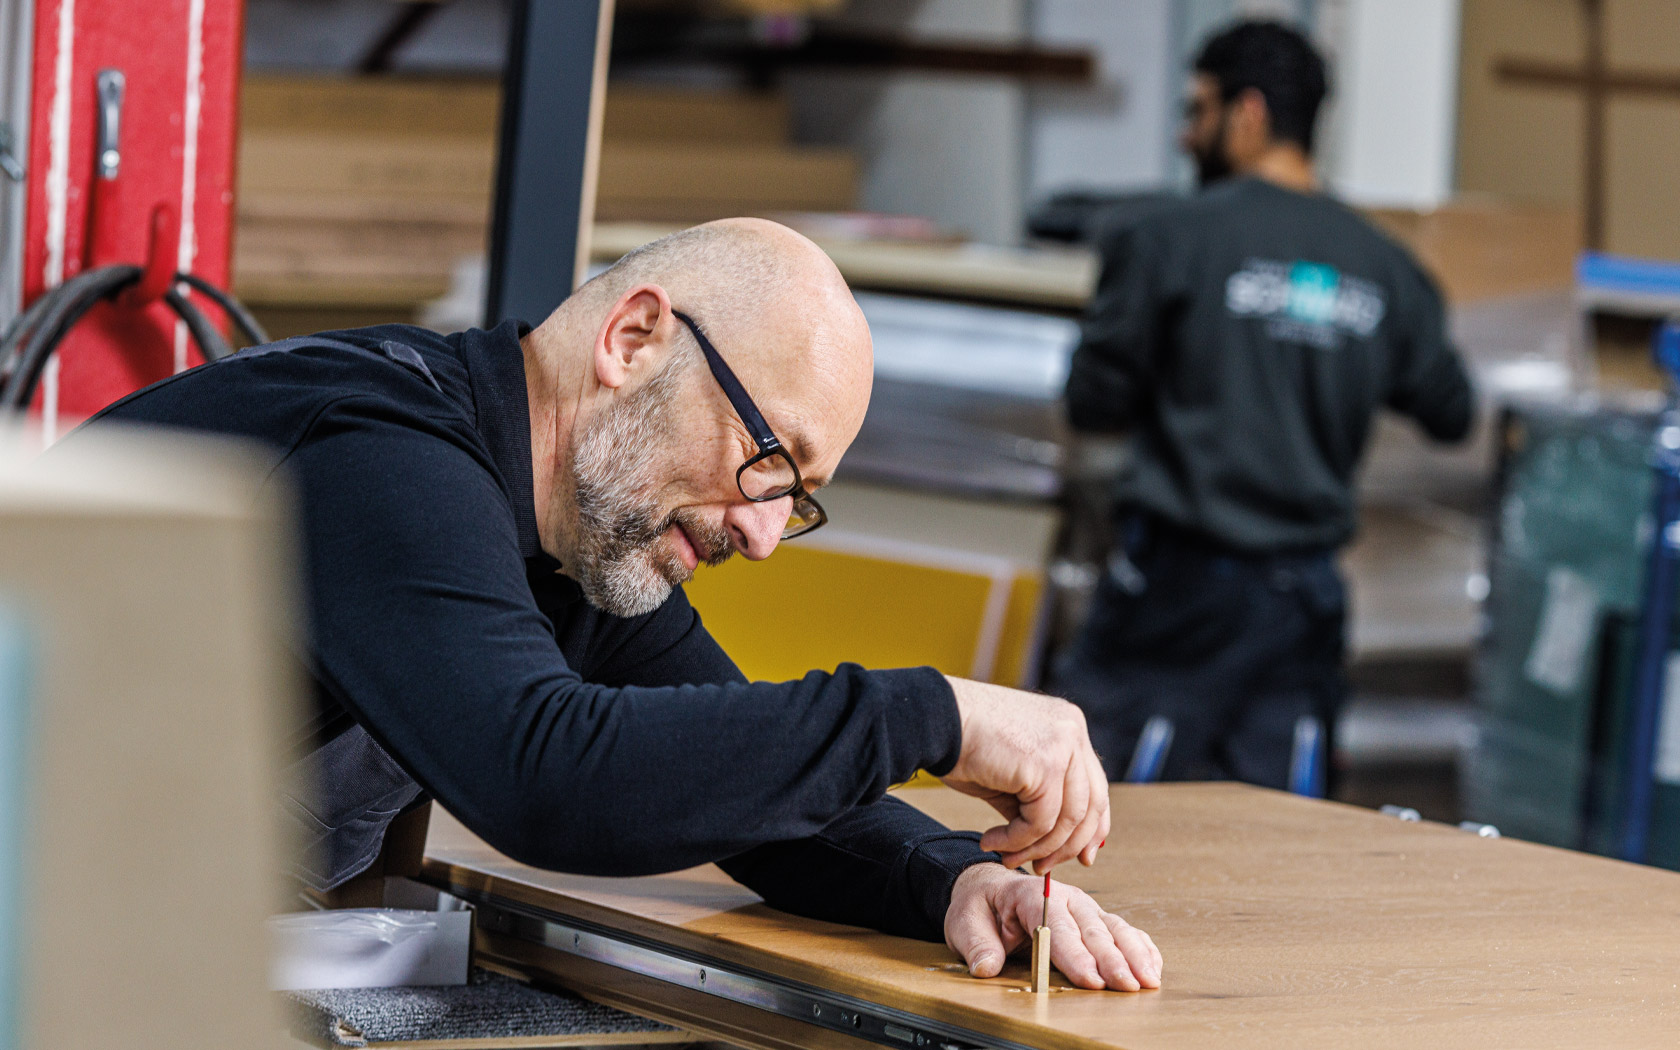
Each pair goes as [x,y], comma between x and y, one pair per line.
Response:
[882,864]
[885,865]
[425,628]
[1429,380]
[1113,367]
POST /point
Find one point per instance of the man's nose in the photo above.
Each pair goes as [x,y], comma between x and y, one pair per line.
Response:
[756,528]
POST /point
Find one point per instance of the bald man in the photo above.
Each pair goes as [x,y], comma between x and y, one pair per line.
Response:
[496,526]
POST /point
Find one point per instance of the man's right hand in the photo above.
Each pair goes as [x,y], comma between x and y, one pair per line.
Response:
[1030,757]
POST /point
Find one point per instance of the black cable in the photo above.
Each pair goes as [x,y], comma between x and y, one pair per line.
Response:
[32,339]
[210,342]
[20,327]
[235,310]
[70,301]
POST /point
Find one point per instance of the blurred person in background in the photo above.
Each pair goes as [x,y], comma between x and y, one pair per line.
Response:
[1244,339]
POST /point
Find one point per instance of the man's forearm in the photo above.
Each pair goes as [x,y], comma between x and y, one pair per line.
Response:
[887,866]
[691,765]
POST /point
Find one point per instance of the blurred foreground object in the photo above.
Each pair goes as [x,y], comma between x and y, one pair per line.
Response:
[146,572]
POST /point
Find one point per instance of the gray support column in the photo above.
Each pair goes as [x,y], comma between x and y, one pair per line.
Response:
[550,146]
[17,37]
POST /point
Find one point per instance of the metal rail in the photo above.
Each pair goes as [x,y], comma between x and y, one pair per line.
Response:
[782,996]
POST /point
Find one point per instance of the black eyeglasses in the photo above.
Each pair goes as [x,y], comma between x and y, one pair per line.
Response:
[770,473]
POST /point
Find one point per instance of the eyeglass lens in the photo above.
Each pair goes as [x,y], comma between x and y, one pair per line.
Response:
[804,517]
[771,477]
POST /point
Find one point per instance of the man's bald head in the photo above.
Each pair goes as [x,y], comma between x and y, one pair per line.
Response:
[780,316]
[730,264]
[757,287]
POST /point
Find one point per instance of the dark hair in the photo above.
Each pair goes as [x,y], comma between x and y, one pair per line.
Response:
[1277,61]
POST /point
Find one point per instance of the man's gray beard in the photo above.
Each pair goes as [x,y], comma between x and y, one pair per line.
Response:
[617,467]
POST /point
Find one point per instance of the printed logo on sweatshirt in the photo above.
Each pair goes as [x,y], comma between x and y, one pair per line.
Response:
[1305,302]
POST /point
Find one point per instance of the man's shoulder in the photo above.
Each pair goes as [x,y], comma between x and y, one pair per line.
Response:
[276,393]
[1162,213]
[373,336]
[1315,218]
[1214,212]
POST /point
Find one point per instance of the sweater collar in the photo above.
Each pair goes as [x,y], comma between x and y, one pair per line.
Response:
[496,370]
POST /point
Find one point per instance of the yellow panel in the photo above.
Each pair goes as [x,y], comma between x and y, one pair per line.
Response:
[806,608]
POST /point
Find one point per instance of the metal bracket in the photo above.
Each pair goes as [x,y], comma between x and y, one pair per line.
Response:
[781,996]
[108,149]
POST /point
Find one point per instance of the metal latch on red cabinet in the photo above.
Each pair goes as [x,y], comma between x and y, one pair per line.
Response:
[108,158]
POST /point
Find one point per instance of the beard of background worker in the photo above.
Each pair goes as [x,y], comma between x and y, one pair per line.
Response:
[495,526]
[1244,337]
[1207,127]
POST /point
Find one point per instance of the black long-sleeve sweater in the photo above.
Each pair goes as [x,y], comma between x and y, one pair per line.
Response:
[1246,337]
[565,737]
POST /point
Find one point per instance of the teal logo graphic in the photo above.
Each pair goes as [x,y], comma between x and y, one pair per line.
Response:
[1306,302]
[1312,292]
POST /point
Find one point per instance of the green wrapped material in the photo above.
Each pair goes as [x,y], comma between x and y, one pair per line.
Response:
[1556,666]
[1577,494]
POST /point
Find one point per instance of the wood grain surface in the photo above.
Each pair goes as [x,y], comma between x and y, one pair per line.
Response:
[1284,923]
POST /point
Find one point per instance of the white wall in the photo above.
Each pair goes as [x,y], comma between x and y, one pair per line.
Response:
[1395,114]
[947,147]
[1117,134]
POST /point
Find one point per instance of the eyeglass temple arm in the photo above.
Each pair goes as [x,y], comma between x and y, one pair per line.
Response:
[732,388]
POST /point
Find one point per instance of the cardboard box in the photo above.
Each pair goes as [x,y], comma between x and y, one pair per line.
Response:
[1527,141]
[1484,248]
[151,577]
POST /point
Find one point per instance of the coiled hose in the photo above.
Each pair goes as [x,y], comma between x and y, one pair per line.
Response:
[37,333]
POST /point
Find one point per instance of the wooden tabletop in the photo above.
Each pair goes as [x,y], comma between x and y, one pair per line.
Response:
[1284,923]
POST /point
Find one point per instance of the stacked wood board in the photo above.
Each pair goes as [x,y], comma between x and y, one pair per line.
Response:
[365,191]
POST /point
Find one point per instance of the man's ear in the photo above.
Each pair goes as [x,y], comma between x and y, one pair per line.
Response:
[635,336]
[1254,115]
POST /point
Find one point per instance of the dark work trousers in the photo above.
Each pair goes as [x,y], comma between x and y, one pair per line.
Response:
[1232,647]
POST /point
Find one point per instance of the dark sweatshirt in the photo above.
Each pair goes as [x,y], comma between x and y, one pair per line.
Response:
[443,638]
[1246,337]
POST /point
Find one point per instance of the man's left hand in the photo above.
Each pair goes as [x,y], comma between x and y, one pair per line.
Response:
[994,911]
